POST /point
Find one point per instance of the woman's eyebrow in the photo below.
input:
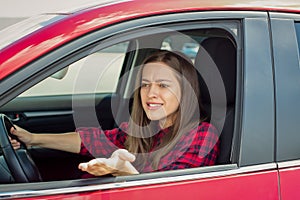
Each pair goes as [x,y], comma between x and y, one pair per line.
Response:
[158,80]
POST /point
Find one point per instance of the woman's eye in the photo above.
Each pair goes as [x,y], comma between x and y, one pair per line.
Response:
[144,85]
[162,85]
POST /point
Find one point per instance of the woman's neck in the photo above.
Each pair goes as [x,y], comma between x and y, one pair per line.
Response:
[167,122]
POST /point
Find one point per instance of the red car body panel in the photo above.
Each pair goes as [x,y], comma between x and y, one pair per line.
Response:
[262,185]
[82,22]
[289,183]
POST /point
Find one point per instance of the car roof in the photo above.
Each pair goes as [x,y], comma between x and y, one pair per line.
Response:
[80,21]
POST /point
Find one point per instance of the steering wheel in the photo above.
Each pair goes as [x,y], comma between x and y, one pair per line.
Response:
[19,162]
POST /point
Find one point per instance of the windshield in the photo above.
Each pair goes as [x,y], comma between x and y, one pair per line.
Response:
[25,27]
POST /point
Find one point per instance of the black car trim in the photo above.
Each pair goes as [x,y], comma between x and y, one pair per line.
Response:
[47,113]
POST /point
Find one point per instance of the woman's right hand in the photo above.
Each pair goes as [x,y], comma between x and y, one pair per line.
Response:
[119,164]
[22,134]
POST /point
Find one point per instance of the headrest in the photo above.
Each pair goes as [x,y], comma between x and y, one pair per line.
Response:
[217,54]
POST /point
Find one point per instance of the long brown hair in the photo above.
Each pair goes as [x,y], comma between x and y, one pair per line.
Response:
[140,139]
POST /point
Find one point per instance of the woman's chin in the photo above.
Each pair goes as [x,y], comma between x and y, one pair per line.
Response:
[156,117]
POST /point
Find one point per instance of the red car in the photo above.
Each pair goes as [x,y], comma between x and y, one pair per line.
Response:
[57,67]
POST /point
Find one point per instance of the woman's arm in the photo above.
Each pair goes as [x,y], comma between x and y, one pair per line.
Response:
[69,142]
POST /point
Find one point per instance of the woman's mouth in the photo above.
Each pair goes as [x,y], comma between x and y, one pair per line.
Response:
[154,106]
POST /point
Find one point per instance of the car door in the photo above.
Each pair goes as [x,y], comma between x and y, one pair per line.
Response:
[250,171]
[51,106]
[286,40]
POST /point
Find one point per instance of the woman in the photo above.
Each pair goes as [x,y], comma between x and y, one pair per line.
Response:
[164,133]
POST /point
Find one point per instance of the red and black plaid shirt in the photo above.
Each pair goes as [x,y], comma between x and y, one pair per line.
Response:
[198,147]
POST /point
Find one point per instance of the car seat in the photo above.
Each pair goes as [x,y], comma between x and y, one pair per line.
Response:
[219,52]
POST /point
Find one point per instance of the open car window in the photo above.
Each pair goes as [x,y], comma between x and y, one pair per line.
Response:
[98,87]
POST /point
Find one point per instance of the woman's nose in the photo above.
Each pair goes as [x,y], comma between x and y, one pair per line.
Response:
[153,91]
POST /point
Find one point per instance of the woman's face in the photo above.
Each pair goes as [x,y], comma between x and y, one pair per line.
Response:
[160,93]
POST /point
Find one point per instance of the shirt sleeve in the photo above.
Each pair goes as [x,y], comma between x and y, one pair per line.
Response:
[96,142]
[201,150]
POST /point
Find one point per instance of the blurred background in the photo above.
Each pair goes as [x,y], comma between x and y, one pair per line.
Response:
[13,11]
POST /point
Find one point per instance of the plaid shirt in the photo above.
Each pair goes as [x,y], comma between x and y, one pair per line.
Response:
[198,147]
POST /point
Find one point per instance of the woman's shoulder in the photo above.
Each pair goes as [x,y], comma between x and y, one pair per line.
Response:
[123,126]
[206,127]
[203,133]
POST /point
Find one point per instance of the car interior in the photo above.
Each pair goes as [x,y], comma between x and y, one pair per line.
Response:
[217,47]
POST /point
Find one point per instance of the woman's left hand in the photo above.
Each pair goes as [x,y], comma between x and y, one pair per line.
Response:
[119,164]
